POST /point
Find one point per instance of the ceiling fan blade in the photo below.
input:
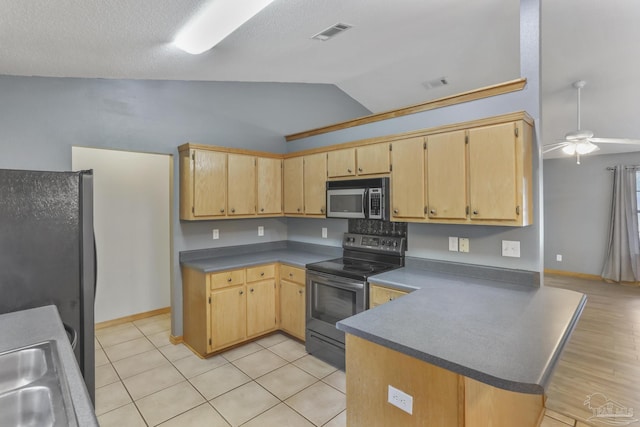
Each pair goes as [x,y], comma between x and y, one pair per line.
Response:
[551,147]
[614,141]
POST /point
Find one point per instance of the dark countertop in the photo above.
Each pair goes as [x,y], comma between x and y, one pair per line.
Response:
[27,327]
[292,253]
[508,336]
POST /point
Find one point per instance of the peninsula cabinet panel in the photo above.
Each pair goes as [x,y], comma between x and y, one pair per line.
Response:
[269,172]
[341,163]
[373,159]
[241,184]
[407,179]
[261,307]
[379,295]
[315,178]
[493,174]
[228,317]
[293,186]
[446,162]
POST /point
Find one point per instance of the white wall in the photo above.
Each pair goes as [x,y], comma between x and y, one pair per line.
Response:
[132,223]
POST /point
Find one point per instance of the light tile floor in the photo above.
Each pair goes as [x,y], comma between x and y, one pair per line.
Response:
[143,380]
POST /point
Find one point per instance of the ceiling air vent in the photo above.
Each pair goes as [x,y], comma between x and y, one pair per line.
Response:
[330,32]
[435,83]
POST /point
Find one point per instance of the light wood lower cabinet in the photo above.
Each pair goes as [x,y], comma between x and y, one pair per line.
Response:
[379,294]
[292,301]
[227,308]
[440,397]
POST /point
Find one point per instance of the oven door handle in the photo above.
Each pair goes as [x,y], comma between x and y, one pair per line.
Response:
[342,283]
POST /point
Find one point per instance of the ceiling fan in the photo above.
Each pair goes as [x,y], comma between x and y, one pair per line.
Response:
[581,141]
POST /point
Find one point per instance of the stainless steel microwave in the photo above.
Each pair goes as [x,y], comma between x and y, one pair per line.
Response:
[358,198]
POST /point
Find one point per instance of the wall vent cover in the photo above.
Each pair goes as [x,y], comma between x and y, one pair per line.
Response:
[442,81]
[332,31]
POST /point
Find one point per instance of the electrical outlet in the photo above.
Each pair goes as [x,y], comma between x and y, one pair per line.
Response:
[216,234]
[453,244]
[400,399]
[511,248]
[324,232]
[559,258]
[260,230]
[463,244]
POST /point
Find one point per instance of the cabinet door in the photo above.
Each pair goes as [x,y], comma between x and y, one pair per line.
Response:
[209,183]
[242,184]
[492,172]
[341,163]
[407,179]
[261,307]
[315,187]
[293,185]
[447,175]
[292,308]
[378,295]
[269,186]
[228,316]
[373,159]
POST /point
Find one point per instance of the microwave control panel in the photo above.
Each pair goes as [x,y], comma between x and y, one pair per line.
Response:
[375,203]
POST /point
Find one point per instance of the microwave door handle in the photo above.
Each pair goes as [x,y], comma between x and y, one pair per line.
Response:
[365,202]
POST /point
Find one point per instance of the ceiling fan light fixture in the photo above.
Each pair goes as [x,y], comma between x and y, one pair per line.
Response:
[569,149]
[585,147]
[215,22]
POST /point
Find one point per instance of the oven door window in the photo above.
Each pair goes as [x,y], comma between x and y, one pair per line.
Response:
[331,304]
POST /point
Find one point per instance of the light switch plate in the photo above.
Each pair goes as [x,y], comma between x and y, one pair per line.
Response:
[324,232]
[559,257]
[216,234]
[453,244]
[463,244]
[260,230]
[511,248]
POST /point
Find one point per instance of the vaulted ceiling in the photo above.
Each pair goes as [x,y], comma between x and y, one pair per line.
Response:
[383,61]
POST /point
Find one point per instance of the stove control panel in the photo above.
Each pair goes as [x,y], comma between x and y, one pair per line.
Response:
[382,244]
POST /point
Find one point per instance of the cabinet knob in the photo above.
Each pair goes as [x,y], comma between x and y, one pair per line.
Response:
[290,274]
[475,212]
[390,298]
[241,292]
[300,291]
[349,170]
[251,290]
[359,169]
[261,209]
[262,274]
[395,211]
[298,209]
[233,210]
[321,210]
[432,211]
[222,210]
[229,280]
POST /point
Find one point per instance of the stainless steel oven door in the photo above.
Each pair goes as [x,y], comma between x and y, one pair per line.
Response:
[330,299]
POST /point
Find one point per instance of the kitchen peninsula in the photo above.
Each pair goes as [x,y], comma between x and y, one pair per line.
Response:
[470,351]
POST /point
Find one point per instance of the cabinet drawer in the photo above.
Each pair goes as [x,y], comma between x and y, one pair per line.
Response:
[227,278]
[293,274]
[261,272]
[378,295]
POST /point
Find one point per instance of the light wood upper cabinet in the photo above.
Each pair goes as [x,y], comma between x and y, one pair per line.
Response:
[407,179]
[228,317]
[373,159]
[269,172]
[493,174]
[203,184]
[341,163]
[315,187]
[241,184]
[446,162]
[293,185]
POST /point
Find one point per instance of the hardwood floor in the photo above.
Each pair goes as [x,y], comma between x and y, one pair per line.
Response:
[602,356]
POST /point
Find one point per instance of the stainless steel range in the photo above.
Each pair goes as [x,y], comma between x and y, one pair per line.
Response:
[339,288]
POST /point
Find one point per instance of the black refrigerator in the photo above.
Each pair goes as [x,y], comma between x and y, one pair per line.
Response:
[47,252]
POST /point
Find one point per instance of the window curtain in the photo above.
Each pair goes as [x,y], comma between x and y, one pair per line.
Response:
[622,263]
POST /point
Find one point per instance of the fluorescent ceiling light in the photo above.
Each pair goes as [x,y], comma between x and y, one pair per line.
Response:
[215,22]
